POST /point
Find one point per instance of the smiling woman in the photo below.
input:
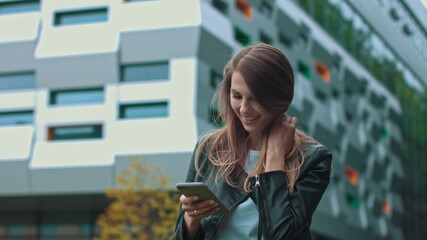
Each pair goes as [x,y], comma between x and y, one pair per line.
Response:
[258,161]
[252,115]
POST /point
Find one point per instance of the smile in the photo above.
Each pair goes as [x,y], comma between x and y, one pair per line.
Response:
[249,118]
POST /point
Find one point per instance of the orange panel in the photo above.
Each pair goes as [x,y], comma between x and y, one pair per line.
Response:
[49,134]
[386,207]
[245,8]
[323,71]
[351,175]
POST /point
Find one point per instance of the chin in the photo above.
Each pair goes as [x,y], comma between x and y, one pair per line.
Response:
[249,129]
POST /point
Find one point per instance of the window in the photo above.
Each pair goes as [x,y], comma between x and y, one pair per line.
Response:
[266,9]
[320,95]
[17,81]
[215,118]
[303,38]
[221,5]
[285,40]
[242,37]
[348,116]
[144,110]
[13,7]
[335,93]
[75,132]
[16,118]
[394,14]
[264,38]
[49,230]
[377,101]
[216,78]
[145,72]
[16,230]
[138,0]
[81,17]
[407,30]
[69,97]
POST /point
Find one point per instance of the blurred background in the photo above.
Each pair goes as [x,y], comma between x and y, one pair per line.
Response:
[87,84]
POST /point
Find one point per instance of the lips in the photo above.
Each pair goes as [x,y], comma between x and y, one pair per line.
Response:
[249,119]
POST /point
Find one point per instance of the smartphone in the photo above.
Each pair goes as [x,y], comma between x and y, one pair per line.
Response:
[202,190]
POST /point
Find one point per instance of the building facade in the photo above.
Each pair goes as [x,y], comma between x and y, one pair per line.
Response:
[87,85]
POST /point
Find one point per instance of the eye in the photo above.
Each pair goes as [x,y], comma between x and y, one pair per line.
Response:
[237,96]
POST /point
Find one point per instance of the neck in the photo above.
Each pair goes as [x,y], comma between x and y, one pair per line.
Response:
[255,142]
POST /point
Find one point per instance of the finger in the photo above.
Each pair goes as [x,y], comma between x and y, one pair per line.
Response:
[202,205]
[202,213]
[202,209]
[278,120]
[284,118]
[210,212]
[199,214]
[188,200]
[197,205]
[294,121]
[207,208]
[287,119]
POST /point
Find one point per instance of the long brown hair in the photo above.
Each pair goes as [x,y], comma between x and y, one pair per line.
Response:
[269,76]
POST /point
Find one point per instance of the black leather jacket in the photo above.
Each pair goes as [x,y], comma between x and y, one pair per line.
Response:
[281,216]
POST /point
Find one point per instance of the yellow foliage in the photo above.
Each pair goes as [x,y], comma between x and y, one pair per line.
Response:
[139,211]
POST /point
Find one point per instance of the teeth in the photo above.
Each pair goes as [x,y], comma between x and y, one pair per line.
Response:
[248,119]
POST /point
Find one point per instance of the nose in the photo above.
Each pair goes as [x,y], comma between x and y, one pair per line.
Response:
[245,107]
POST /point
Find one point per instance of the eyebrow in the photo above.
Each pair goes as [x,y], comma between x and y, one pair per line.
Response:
[234,91]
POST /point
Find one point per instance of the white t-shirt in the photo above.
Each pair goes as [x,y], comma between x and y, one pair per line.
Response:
[242,224]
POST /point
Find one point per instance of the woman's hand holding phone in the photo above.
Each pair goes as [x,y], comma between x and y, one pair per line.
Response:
[198,202]
[195,210]
[280,142]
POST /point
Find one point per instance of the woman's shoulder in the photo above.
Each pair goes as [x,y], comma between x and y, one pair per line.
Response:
[310,146]
[315,152]
[205,138]
[206,135]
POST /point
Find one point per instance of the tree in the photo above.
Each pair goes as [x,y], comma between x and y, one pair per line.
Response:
[140,209]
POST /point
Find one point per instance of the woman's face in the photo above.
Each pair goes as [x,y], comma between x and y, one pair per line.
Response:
[253,116]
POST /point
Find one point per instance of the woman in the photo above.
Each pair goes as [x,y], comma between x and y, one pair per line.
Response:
[271,175]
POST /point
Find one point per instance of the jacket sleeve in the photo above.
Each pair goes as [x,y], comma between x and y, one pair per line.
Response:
[180,225]
[286,216]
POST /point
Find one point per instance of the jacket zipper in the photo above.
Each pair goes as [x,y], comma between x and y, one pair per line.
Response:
[257,184]
[263,208]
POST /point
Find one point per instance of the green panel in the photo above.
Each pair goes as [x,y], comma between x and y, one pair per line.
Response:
[304,69]
[352,201]
[242,37]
